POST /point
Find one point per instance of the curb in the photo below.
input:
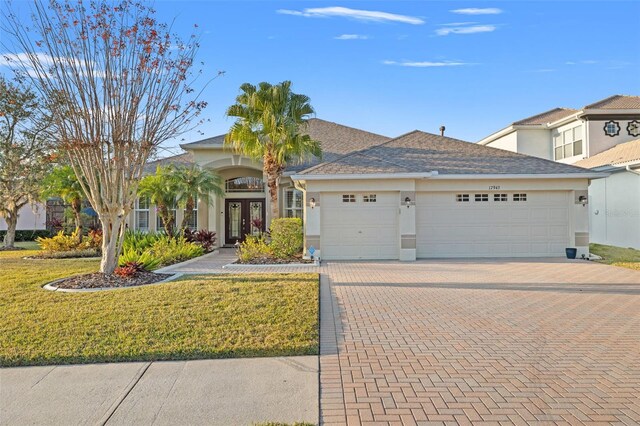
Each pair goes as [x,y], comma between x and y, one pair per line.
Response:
[270,265]
[51,286]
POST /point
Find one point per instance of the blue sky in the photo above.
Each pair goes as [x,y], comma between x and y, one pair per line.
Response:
[394,66]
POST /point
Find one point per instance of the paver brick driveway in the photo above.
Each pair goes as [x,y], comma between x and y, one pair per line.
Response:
[500,342]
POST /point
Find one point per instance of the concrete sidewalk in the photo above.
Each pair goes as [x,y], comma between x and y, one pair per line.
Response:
[204,392]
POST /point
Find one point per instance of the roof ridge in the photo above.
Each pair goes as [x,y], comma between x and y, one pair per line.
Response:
[601,101]
[348,127]
[515,123]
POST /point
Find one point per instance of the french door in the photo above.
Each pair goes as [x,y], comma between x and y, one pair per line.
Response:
[243,217]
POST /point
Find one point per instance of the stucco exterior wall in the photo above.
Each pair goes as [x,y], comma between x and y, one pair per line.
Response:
[614,210]
[599,141]
[30,218]
[507,142]
[536,143]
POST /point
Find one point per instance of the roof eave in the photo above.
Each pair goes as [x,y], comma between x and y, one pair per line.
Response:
[364,176]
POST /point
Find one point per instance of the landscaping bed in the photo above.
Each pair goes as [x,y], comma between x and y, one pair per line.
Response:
[193,317]
[269,260]
[98,280]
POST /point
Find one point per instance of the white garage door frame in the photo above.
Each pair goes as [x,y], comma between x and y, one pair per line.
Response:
[538,227]
[360,230]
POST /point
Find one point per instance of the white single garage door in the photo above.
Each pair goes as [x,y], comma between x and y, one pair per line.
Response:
[359,225]
[490,224]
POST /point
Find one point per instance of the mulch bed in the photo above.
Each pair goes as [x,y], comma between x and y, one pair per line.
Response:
[273,261]
[99,280]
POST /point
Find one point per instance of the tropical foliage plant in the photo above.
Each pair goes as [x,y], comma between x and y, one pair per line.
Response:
[63,183]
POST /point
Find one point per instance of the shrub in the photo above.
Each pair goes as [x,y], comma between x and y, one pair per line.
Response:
[146,259]
[61,242]
[68,254]
[141,241]
[28,235]
[253,247]
[94,238]
[287,239]
[206,239]
[174,250]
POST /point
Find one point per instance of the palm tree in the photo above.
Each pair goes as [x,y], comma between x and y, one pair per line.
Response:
[270,121]
[62,182]
[161,190]
[191,184]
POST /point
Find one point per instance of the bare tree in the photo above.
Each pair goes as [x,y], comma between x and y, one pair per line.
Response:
[24,152]
[123,85]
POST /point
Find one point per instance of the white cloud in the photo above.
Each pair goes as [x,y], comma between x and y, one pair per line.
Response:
[351,37]
[465,30]
[477,11]
[425,64]
[359,15]
[458,24]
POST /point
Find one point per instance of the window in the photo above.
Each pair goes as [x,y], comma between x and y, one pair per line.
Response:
[371,198]
[519,197]
[244,184]
[293,203]
[141,215]
[462,198]
[348,198]
[193,220]
[500,197]
[568,143]
[481,197]
[172,210]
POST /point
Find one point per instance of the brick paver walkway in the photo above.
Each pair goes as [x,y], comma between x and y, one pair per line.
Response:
[489,342]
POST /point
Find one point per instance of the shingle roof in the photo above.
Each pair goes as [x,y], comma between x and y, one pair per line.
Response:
[183,159]
[546,117]
[616,102]
[335,139]
[620,154]
[420,152]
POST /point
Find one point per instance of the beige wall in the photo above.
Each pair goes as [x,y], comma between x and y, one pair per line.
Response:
[599,142]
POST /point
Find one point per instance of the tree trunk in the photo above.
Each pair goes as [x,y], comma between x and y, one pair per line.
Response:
[113,230]
[188,212]
[273,171]
[12,224]
[166,218]
[76,205]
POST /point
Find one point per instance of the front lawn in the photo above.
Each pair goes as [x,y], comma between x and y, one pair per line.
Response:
[617,256]
[197,317]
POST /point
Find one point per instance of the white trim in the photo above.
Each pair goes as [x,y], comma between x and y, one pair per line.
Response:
[361,176]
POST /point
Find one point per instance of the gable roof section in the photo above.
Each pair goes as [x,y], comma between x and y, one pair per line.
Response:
[184,159]
[623,153]
[420,152]
[546,117]
[616,102]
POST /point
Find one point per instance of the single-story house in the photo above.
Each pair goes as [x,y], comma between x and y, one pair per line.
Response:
[419,195]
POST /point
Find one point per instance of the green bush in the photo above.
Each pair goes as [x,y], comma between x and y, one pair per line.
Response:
[287,238]
[140,241]
[253,247]
[170,251]
[28,235]
[147,259]
[69,243]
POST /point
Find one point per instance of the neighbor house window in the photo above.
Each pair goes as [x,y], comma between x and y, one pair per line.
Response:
[293,203]
[462,198]
[141,214]
[193,220]
[160,225]
[348,198]
[567,143]
[519,197]
[500,197]
[481,197]
[371,198]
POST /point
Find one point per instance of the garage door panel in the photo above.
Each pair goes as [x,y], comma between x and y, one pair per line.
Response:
[536,227]
[359,230]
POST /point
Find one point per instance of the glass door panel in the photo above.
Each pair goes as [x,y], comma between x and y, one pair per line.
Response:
[235,220]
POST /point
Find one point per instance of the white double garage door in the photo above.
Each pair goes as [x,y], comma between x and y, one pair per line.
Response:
[445,226]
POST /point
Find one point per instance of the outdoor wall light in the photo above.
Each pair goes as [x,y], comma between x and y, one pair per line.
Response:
[407,201]
[312,202]
[582,200]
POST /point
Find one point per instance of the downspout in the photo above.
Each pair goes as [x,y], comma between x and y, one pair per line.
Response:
[629,169]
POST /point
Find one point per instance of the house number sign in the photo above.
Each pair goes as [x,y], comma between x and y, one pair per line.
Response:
[494,187]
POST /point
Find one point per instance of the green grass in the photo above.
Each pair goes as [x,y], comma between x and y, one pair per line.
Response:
[617,256]
[29,245]
[198,317]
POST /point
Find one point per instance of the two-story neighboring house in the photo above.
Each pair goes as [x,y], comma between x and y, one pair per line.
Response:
[603,136]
